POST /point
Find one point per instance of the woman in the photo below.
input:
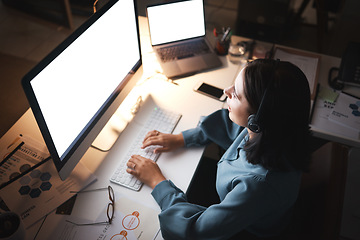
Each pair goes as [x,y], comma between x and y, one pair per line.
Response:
[259,175]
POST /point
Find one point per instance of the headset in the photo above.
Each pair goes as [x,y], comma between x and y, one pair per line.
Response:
[254,119]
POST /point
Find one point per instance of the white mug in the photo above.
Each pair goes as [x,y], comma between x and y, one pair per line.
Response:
[11,227]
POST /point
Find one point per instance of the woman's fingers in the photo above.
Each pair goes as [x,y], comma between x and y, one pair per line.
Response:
[131,164]
[152,138]
[163,142]
[152,133]
[145,170]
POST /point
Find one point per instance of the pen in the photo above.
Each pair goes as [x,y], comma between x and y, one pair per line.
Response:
[228,36]
[11,153]
[226,33]
[215,32]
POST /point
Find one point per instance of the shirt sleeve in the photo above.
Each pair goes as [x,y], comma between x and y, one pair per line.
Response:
[217,128]
[242,206]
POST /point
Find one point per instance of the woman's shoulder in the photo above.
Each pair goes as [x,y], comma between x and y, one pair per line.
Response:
[260,178]
[273,186]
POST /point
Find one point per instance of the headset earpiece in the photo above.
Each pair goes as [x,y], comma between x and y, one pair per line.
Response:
[252,124]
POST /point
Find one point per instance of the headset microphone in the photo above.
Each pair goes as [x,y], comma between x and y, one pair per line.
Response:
[253,119]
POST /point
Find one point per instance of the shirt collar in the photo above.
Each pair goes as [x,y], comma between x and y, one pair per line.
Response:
[244,136]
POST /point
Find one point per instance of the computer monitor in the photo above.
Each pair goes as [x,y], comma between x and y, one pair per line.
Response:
[75,90]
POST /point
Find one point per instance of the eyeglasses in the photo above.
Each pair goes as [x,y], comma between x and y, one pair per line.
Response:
[110,207]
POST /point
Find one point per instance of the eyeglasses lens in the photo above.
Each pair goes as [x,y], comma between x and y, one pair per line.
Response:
[110,208]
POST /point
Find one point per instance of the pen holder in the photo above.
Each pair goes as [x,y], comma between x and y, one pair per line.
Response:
[222,41]
[222,47]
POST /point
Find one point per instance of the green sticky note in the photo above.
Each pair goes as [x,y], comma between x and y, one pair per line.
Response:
[328,94]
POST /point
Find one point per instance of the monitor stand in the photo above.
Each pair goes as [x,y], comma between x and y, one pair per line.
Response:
[109,134]
[117,123]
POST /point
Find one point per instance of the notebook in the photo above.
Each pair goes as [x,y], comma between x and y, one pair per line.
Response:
[177,25]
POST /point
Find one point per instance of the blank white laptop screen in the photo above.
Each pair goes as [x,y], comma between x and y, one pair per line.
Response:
[176,21]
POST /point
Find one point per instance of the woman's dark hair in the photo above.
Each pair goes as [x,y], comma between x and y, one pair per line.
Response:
[283,141]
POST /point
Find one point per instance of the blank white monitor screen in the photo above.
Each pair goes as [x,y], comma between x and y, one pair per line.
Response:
[74,89]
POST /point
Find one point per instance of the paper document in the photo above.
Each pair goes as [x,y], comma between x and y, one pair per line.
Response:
[39,192]
[20,155]
[131,221]
[308,64]
[322,111]
[346,112]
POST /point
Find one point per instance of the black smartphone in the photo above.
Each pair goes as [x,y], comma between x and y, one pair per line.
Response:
[210,91]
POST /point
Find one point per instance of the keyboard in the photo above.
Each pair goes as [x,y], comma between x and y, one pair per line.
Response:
[159,119]
[183,50]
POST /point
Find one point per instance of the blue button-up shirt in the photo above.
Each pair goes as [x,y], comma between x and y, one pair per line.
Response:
[252,198]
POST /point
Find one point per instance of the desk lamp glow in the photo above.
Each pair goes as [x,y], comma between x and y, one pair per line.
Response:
[76,89]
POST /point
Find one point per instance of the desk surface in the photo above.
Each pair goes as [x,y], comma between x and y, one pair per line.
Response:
[178,166]
[180,97]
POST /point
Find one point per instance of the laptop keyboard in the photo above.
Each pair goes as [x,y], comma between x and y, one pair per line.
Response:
[183,50]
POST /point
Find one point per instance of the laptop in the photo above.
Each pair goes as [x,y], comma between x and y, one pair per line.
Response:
[176,26]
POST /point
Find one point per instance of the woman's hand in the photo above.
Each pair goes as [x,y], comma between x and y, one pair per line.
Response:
[166,142]
[146,170]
